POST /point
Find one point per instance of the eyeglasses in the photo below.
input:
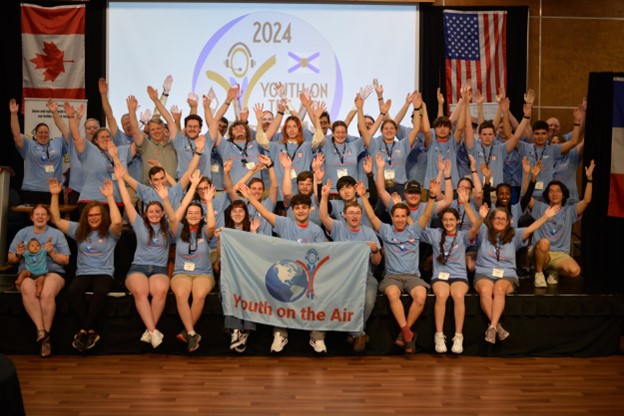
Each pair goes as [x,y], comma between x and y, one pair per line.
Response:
[353,213]
[94,215]
[499,219]
[555,191]
[202,189]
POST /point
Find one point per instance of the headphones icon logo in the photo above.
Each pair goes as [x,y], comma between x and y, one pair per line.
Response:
[239,59]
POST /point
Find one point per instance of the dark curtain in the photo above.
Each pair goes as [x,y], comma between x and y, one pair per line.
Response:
[432,73]
[11,70]
[603,255]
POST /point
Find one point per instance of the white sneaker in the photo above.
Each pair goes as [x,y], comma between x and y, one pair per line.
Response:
[318,345]
[156,338]
[540,281]
[440,344]
[234,339]
[146,337]
[458,344]
[553,277]
[242,342]
[278,342]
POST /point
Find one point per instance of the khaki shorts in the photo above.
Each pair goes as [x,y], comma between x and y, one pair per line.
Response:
[556,257]
[194,276]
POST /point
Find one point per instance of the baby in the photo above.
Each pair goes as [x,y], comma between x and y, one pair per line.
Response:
[36,265]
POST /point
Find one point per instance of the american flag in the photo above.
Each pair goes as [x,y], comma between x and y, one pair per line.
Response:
[476,50]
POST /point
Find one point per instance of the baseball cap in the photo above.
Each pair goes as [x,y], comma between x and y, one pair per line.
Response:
[412,187]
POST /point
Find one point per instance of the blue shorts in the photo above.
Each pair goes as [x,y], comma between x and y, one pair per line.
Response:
[147,269]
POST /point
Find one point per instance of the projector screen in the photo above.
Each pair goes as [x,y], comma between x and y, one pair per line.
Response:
[331,50]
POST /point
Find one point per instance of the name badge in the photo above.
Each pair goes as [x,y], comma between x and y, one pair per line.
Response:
[539,185]
[214,168]
[250,165]
[293,174]
[498,273]
[389,175]
[189,267]
[443,275]
[341,172]
[49,168]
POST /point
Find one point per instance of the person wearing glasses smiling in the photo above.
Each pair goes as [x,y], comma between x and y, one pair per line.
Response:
[495,270]
[96,233]
[192,273]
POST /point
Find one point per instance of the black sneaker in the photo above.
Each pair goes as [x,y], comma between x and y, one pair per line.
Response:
[80,340]
[193,341]
[92,339]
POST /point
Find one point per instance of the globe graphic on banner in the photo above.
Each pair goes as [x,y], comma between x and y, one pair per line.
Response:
[286,281]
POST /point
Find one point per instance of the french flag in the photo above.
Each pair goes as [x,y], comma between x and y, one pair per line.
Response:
[616,185]
[53,53]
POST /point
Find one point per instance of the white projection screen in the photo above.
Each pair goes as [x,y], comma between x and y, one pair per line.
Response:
[332,50]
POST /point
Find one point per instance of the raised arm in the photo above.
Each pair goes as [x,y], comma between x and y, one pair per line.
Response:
[111,121]
[79,141]
[513,142]
[261,137]
[15,127]
[566,146]
[416,121]
[211,220]
[58,121]
[137,135]
[55,190]
[120,173]
[287,191]
[426,125]
[474,228]
[107,191]
[549,213]
[440,98]
[368,208]
[273,183]
[153,94]
[262,210]
[382,193]
[200,142]
[315,114]
[434,188]
[478,97]
[587,197]
[528,185]
[326,219]
[403,110]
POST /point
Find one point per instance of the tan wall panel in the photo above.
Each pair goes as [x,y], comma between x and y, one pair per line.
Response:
[533,63]
[567,58]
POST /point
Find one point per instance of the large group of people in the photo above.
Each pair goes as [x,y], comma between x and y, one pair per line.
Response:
[443,205]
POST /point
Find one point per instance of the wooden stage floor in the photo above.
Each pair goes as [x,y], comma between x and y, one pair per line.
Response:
[420,384]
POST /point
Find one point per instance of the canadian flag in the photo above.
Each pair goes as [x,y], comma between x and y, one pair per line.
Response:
[53,55]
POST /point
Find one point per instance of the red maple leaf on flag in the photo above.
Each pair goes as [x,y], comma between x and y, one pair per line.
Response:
[51,60]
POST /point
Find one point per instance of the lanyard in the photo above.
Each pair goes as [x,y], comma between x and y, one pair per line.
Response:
[242,151]
[446,255]
[292,157]
[340,155]
[489,155]
[389,152]
[497,247]
[112,163]
[47,150]
[190,145]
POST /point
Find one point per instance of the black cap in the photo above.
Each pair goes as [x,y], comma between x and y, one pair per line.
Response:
[412,187]
[344,181]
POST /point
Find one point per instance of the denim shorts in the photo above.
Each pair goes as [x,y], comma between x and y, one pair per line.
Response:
[147,269]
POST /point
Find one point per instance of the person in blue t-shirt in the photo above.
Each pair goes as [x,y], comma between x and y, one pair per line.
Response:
[552,250]
[352,229]
[147,275]
[401,248]
[35,265]
[192,273]
[496,275]
[96,234]
[449,267]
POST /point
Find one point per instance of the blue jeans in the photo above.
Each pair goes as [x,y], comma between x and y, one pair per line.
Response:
[369,301]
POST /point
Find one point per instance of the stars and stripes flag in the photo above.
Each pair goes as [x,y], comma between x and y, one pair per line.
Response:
[616,181]
[53,54]
[475,49]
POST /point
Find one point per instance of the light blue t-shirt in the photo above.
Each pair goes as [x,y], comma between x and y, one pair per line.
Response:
[401,249]
[36,263]
[241,154]
[448,150]
[193,256]
[301,156]
[59,243]
[148,194]
[150,251]
[494,156]
[557,229]
[97,167]
[341,159]
[547,154]
[395,155]
[95,253]
[290,230]
[454,251]
[340,232]
[185,148]
[135,166]
[499,256]
[42,163]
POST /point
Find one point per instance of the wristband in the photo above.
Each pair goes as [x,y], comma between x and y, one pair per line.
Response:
[448,178]
[281,113]
[381,113]
[226,103]
[270,166]
[417,109]
[432,196]
[198,153]
[589,181]
[374,252]
[473,171]
[527,117]
[380,99]
[577,124]
[166,94]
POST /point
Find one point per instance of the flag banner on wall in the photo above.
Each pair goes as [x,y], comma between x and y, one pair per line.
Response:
[283,283]
[475,49]
[53,55]
[616,182]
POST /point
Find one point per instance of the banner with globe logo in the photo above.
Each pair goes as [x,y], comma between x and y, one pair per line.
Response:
[272,281]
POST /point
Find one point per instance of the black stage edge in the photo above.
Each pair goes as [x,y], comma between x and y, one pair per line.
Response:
[560,321]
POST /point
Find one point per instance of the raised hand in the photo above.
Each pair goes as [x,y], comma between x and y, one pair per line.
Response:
[285,161]
[103,86]
[529,96]
[55,186]
[52,106]
[227,165]
[161,191]
[326,189]
[439,96]
[152,93]
[589,170]
[367,165]
[48,246]
[107,188]
[132,103]
[483,211]
[360,189]
[167,84]
[192,99]
[13,106]
[69,109]
[552,210]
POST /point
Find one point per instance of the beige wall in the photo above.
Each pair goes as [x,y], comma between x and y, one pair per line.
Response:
[568,39]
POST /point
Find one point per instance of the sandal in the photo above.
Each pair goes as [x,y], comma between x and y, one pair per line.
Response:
[41,334]
[46,347]
[399,340]
[410,346]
